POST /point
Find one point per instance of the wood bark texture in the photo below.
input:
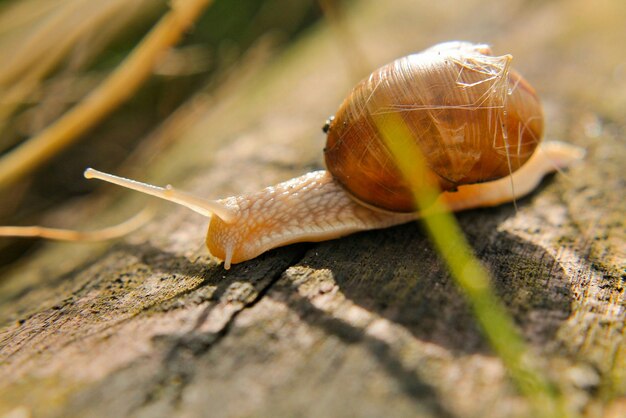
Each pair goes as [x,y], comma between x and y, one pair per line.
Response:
[367,325]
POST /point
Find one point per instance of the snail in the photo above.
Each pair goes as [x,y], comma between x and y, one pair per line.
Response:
[476,121]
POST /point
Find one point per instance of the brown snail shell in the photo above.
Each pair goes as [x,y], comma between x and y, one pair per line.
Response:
[473,117]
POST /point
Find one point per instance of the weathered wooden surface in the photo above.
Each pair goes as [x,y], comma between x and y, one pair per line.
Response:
[368,325]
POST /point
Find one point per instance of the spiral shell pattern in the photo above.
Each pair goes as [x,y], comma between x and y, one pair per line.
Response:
[473,117]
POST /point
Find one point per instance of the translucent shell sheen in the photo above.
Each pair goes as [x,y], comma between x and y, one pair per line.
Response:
[474,118]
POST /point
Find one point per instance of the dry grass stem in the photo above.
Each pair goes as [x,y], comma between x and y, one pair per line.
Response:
[113,91]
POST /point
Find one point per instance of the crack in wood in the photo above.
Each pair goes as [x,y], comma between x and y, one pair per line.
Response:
[177,364]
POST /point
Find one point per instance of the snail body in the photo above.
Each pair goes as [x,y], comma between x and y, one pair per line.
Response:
[476,121]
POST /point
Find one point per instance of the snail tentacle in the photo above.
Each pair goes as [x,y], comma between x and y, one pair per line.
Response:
[197,204]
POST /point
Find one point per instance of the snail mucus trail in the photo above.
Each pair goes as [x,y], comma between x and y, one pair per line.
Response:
[477,122]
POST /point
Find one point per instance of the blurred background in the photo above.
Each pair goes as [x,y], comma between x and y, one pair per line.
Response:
[55,53]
